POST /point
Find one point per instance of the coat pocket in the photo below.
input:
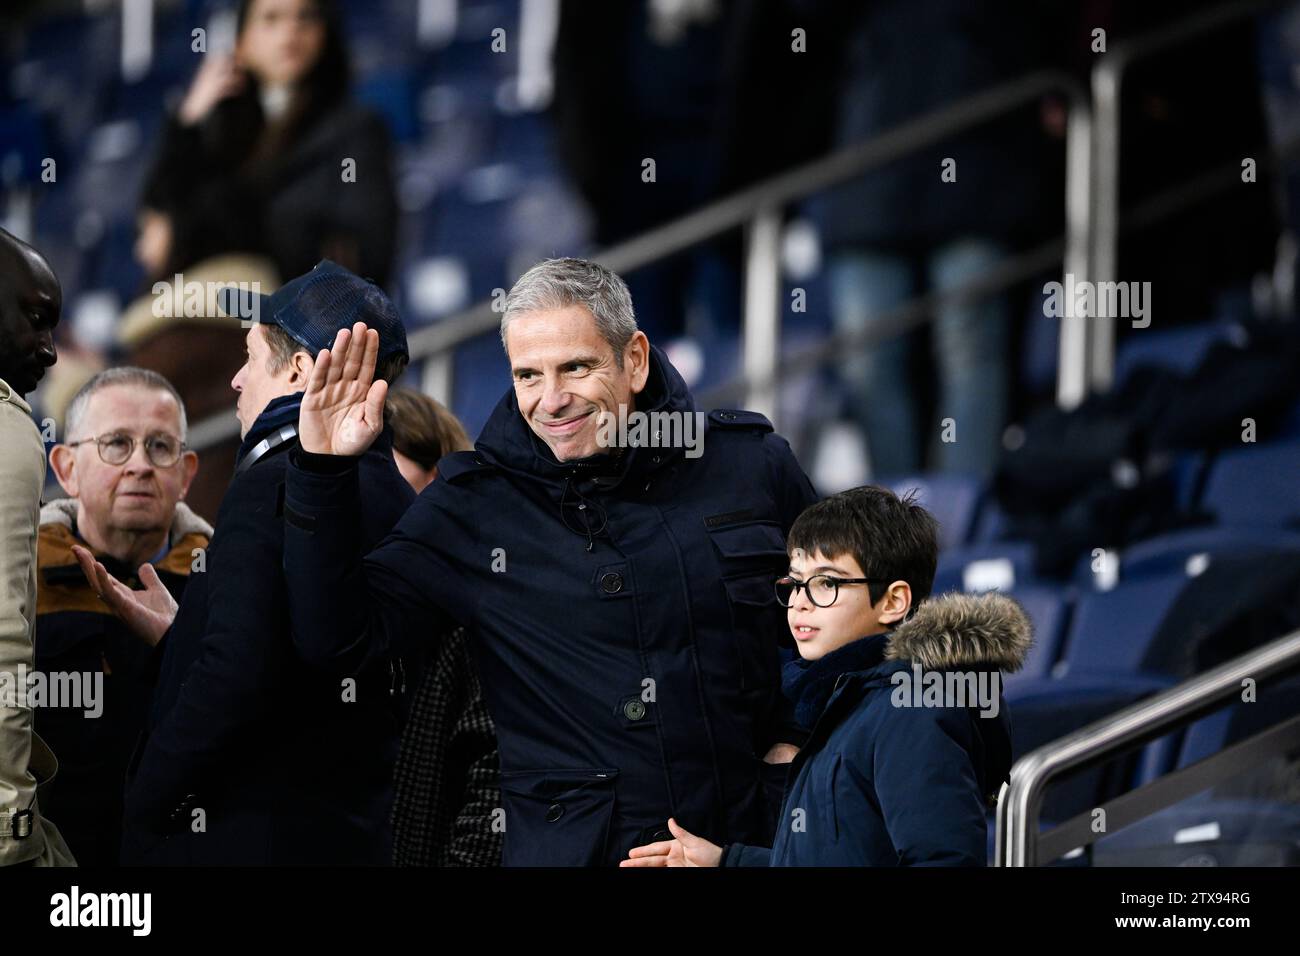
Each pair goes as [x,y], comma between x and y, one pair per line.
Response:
[557,817]
[752,556]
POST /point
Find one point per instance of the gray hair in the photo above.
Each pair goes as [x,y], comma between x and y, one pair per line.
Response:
[560,283]
[125,375]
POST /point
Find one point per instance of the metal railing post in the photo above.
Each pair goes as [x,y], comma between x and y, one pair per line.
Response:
[760,333]
[1105,221]
[436,376]
[1072,361]
[1107,87]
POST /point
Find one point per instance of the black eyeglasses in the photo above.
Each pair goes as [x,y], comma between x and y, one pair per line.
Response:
[822,588]
[116,448]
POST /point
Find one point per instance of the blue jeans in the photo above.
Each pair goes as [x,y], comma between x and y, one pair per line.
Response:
[970,352]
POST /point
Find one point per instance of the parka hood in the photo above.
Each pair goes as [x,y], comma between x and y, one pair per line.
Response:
[963,630]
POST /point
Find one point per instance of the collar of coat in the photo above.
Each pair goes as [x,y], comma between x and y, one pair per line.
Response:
[278,412]
[945,633]
[63,511]
[963,630]
[64,587]
[7,394]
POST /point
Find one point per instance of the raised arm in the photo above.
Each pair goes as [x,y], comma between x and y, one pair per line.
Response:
[345,609]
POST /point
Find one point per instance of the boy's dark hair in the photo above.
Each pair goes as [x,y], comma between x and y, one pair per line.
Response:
[891,538]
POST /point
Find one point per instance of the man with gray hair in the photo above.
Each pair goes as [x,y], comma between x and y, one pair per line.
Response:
[618,591]
[126,470]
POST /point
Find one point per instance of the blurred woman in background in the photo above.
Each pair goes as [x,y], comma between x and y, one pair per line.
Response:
[267,154]
[266,168]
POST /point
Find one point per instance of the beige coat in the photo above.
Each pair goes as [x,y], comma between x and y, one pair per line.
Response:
[25,761]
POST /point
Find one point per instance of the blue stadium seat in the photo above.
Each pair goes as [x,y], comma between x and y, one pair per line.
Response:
[1178,349]
[391,93]
[1256,486]
[1048,609]
[481,377]
[996,566]
[1208,832]
[1191,550]
[953,499]
[1171,552]
[1112,631]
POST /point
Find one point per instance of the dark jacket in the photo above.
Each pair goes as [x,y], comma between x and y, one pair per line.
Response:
[76,633]
[883,784]
[902,60]
[621,612]
[287,205]
[446,808]
[287,763]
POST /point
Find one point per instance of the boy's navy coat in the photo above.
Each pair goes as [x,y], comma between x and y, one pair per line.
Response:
[884,785]
[284,767]
[621,613]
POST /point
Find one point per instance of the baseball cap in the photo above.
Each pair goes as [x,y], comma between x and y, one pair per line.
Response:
[314,306]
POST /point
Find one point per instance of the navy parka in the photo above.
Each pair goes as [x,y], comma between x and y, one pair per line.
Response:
[620,608]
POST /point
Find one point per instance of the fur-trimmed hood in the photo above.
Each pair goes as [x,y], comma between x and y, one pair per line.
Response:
[63,511]
[962,630]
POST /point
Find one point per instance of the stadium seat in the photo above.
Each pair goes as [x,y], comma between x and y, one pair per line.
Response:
[1256,486]
[1048,610]
[953,499]
[998,566]
[1208,832]
[1112,631]
[1179,349]
[1191,551]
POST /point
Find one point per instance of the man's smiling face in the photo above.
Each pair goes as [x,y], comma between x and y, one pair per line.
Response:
[566,376]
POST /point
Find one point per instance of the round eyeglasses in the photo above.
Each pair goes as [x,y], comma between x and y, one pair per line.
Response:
[116,448]
[822,588]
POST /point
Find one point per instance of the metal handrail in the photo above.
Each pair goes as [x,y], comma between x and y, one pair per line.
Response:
[1009,271]
[1107,82]
[759,207]
[1017,835]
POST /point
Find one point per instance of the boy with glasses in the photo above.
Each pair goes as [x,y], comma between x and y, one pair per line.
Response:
[908,746]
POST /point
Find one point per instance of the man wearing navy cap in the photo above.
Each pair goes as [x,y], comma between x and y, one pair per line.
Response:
[252,756]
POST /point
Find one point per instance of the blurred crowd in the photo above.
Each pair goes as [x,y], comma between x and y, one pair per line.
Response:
[288,144]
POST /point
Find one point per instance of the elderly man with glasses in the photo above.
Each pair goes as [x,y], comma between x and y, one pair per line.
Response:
[126,471]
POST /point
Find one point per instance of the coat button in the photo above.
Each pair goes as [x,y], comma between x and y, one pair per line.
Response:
[634,710]
[554,813]
[661,834]
[611,583]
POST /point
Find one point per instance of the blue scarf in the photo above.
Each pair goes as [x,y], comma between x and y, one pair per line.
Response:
[278,413]
[809,683]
